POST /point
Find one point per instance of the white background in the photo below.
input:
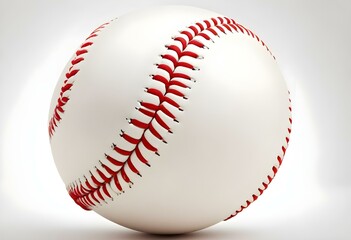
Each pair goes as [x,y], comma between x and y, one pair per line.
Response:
[309,198]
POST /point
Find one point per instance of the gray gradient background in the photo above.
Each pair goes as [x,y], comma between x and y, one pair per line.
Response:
[307,200]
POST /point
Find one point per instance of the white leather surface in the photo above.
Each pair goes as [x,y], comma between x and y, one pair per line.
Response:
[230,133]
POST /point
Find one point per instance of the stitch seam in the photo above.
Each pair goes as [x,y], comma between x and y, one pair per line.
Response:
[68,83]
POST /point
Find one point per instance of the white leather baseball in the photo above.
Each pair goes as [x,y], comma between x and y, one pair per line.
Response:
[169,120]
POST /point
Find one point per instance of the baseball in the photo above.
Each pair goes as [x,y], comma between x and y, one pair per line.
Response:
[169,119]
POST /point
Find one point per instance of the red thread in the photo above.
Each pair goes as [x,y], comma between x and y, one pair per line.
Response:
[139,124]
[171,102]
[179,84]
[146,112]
[182,41]
[274,170]
[185,65]
[176,92]
[167,112]
[148,145]
[72,71]
[95,181]
[150,106]
[197,43]
[212,31]
[200,26]
[208,24]
[116,180]
[89,185]
[166,68]
[77,60]
[175,49]
[124,175]
[86,44]
[155,92]
[181,75]
[160,79]
[227,27]
[140,155]
[214,21]
[102,175]
[196,32]
[130,139]
[132,167]
[205,36]
[89,200]
[188,34]
[155,132]
[109,170]
[189,54]
[93,197]
[122,151]
[100,195]
[160,121]
[221,29]
[81,52]
[114,161]
[88,196]
[104,188]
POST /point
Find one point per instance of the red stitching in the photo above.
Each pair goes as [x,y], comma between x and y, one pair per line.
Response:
[97,188]
[68,83]
[274,171]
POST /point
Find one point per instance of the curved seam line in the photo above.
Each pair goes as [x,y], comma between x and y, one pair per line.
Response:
[68,83]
